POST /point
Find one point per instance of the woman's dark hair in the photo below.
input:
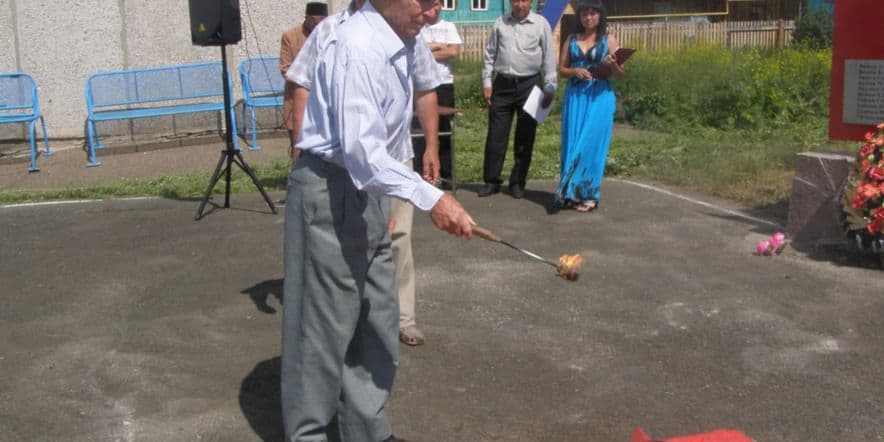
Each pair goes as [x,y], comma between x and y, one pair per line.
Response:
[585,5]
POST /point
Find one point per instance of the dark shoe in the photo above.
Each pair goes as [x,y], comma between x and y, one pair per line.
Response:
[518,192]
[488,190]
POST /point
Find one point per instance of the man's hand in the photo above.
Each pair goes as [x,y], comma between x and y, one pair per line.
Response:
[431,164]
[486,92]
[547,99]
[426,107]
[391,225]
[448,215]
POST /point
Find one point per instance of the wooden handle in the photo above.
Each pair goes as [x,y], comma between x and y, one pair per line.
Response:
[485,234]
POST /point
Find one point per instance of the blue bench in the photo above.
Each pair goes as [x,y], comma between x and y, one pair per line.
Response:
[154,92]
[19,104]
[262,86]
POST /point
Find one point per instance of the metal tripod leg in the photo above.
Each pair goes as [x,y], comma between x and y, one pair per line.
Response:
[215,177]
[248,170]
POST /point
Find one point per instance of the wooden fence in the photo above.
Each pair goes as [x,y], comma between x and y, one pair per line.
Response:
[656,37]
[474,40]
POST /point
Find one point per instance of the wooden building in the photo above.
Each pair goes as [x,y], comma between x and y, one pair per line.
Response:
[712,10]
[477,12]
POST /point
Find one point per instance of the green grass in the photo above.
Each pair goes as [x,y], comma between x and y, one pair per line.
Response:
[273,176]
[750,167]
[753,167]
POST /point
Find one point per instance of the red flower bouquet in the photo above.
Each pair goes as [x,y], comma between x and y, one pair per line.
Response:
[864,192]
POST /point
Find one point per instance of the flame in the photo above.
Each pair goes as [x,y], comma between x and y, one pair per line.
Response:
[569,266]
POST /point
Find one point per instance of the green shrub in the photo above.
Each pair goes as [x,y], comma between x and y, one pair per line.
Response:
[814,29]
[724,89]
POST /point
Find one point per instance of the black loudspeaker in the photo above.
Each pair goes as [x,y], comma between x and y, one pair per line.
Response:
[215,22]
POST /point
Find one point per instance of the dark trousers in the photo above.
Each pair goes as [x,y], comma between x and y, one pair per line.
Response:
[508,95]
[445,96]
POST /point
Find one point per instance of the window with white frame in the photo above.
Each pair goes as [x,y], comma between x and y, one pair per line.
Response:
[449,5]
[479,5]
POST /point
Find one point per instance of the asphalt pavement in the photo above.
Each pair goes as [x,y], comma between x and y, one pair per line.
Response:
[128,320]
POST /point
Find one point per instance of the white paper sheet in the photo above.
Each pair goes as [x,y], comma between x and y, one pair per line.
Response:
[533,105]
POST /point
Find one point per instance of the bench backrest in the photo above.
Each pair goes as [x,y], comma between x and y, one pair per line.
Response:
[139,86]
[18,94]
[260,75]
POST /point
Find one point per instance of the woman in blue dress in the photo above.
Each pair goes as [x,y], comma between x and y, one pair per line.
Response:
[587,61]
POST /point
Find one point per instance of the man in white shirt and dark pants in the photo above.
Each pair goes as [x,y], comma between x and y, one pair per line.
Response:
[444,42]
[519,49]
[341,315]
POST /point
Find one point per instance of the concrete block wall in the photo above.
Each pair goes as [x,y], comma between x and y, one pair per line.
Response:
[63,43]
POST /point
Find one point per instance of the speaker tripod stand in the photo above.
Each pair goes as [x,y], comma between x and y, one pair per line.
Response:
[230,155]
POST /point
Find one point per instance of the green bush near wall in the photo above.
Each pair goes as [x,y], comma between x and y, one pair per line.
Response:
[725,89]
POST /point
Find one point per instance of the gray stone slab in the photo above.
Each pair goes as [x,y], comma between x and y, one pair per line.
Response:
[815,206]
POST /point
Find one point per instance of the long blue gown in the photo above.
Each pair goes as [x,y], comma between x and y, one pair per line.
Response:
[587,123]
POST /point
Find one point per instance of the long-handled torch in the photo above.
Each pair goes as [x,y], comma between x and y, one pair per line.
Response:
[567,268]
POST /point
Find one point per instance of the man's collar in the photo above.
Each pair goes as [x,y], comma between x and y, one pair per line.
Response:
[386,37]
[528,18]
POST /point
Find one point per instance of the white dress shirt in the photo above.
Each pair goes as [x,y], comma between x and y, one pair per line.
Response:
[303,68]
[359,111]
[443,32]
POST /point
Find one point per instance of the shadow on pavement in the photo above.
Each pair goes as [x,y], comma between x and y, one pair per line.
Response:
[260,402]
[259,399]
[840,253]
[261,291]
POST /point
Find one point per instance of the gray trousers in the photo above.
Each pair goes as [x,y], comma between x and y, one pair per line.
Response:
[340,308]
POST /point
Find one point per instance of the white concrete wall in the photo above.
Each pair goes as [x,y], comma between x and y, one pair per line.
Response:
[62,43]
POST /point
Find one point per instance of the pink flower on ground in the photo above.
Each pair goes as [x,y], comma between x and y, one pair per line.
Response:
[877,173]
[762,247]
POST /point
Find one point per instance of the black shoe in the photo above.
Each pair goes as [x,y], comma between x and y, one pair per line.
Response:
[518,192]
[489,189]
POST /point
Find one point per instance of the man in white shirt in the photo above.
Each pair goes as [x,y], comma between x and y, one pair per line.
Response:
[340,317]
[426,80]
[444,42]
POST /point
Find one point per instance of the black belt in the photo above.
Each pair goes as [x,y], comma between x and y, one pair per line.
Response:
[517,78]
